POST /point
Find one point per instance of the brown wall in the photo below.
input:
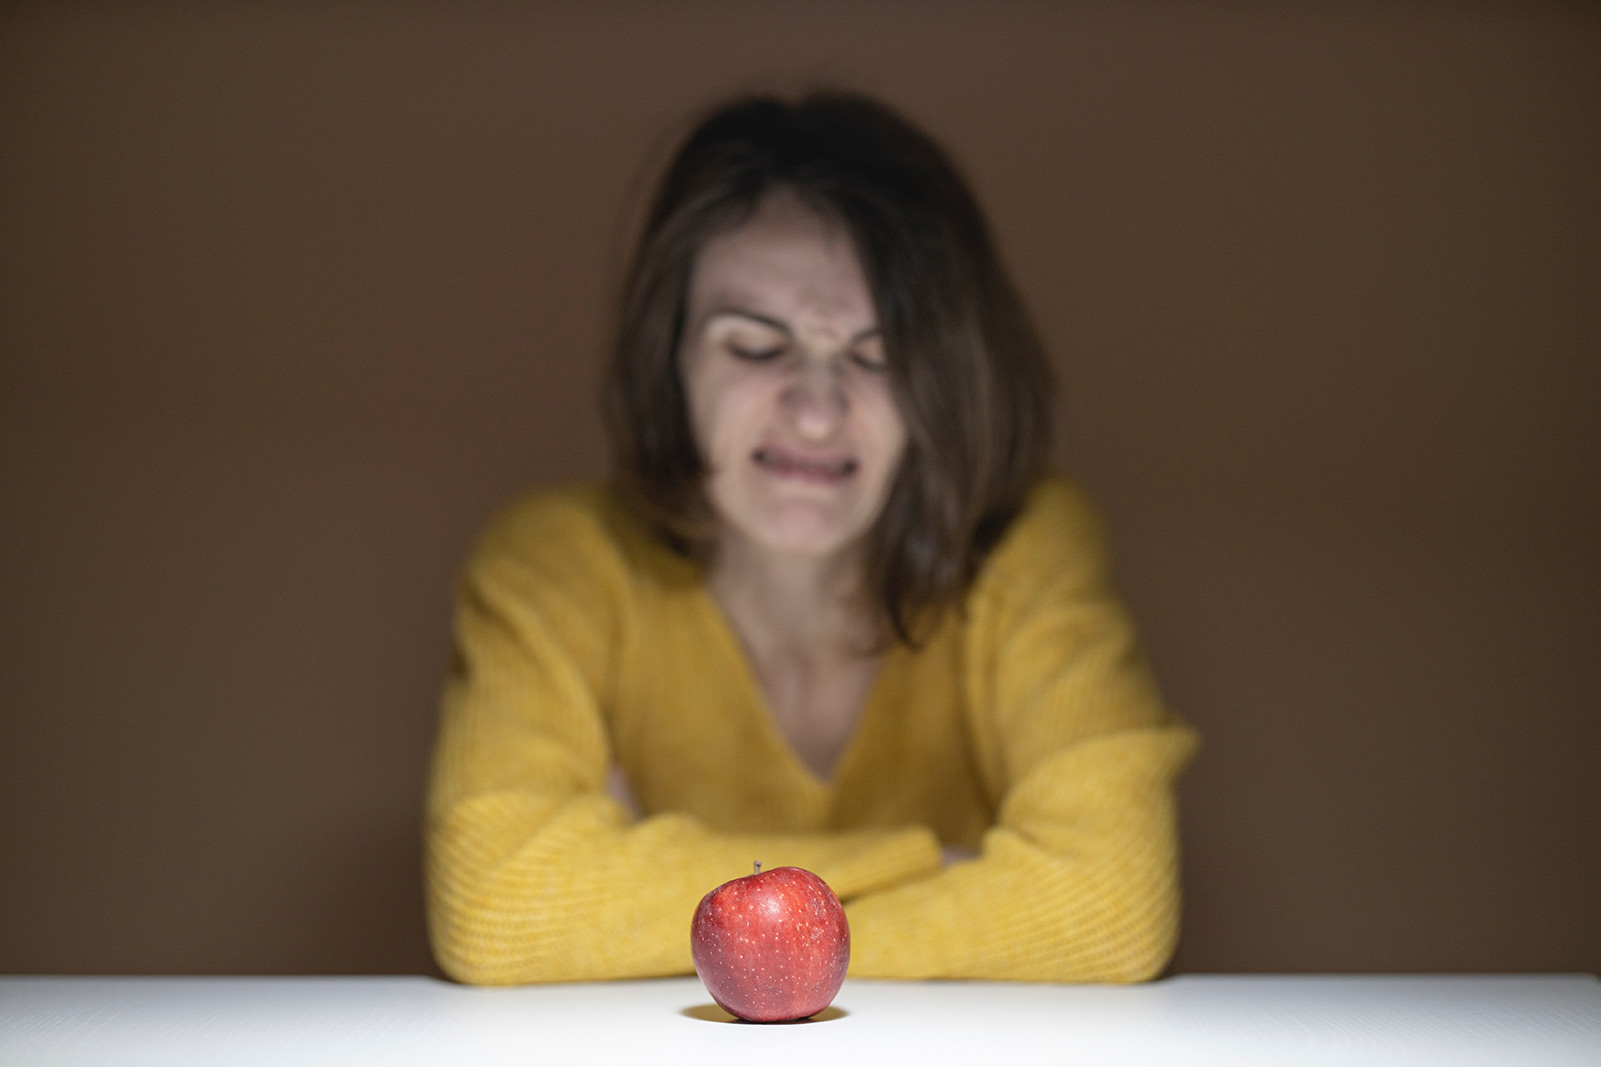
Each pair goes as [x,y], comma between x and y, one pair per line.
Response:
[292,294]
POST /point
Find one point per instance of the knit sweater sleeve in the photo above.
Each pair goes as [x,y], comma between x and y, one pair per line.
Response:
[534,872]
[1078,879]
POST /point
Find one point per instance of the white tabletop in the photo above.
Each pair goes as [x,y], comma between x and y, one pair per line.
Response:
[1192,1019]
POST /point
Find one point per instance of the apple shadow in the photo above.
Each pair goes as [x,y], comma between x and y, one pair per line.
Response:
[711,1013]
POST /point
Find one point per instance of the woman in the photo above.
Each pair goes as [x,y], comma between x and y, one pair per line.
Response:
[828,615]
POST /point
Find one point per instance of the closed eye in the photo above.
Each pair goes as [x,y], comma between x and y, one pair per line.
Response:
[875,364]
[756,355]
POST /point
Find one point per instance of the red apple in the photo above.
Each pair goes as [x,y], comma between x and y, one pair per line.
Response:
[772,945]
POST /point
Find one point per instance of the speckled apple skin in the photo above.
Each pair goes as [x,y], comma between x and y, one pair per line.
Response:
[771,946]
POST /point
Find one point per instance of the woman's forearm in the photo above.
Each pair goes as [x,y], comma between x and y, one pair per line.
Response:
[579,893]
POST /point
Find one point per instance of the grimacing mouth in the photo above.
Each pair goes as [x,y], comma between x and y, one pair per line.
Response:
[789,463]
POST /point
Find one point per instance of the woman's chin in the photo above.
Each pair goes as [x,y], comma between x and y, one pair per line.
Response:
[802,534]
[813,543]
[795,523]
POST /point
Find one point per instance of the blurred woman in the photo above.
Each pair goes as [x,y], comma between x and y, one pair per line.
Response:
[829,613]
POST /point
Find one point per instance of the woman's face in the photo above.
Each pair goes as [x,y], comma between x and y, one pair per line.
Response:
[784,369]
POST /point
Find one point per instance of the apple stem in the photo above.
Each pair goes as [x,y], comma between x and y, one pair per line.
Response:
[758,869]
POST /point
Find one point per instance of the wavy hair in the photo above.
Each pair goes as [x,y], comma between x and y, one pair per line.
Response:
[966,368]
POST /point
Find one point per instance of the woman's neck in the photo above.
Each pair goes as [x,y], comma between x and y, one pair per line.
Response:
[810,635]
[807,604]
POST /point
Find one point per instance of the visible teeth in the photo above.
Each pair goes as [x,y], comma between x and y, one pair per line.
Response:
[837,469]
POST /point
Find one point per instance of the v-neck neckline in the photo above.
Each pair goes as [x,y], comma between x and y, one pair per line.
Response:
[757,705]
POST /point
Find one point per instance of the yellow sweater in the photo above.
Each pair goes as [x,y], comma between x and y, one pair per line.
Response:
[1027,726]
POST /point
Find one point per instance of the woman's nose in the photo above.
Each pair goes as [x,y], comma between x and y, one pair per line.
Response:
[815,399]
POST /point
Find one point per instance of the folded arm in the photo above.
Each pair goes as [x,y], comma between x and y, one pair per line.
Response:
[1078,879]
[536,873]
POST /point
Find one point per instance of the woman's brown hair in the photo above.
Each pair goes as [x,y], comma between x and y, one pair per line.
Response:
[968,373]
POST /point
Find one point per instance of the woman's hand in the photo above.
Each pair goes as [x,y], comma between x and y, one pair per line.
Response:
[950,854]
[617,785]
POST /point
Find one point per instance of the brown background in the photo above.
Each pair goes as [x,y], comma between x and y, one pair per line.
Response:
[292,295]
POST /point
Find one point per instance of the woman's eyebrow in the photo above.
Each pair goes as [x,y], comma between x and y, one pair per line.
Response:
[754,316]
[781,326]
